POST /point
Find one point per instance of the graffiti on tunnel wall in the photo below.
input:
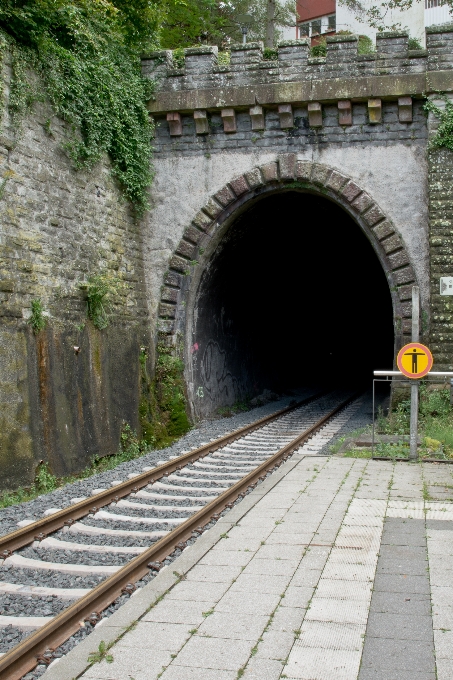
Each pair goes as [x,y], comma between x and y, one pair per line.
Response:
[218,382]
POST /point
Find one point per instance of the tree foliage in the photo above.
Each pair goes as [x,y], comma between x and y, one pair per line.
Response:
[87,52]
[379,15]
[216,22]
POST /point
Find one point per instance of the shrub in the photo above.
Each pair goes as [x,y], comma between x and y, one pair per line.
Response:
[37,319]
[99,290]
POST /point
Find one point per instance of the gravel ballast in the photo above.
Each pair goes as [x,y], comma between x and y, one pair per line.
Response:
[202,433]
[183,497]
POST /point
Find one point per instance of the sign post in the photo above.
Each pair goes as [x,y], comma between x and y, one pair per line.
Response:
[413,439]
[414,361]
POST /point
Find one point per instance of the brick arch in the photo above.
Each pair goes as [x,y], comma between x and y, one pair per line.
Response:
[287,171]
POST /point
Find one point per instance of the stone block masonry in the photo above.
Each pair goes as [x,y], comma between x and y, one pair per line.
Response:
[441,255]
[351,115]
[57,227]
[350,127]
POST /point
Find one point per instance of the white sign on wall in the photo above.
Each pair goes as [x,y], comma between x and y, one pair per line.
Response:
[446,285]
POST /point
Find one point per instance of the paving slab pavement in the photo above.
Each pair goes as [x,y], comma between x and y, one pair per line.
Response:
[334,568]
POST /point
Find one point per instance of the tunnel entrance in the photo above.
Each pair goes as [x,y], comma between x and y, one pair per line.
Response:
[293,295]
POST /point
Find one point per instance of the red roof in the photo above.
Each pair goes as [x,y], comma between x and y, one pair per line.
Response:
[312,9]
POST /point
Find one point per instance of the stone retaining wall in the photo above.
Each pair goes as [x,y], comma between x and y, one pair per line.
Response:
[58,227]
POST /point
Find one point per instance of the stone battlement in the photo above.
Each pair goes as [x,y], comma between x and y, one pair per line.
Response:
[247,66]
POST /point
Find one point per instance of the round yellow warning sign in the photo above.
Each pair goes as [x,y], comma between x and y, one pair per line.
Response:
[414,360]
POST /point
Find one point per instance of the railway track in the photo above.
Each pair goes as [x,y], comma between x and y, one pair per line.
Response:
[82,558]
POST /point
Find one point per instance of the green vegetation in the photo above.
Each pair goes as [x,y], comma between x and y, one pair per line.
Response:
[414,44]
[162,409]
[379,14]
[37,319]
[99,291]
[213,22]
[223,59]
[101,654]
[87,57]
[435,428]
[45,482]
[270,54]
[319,50]
[444,133]
[365,45]
[334,448]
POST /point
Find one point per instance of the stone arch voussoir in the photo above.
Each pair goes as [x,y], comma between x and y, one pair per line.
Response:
[286,170]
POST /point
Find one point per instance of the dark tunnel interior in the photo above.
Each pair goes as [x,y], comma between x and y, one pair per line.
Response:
[294,294]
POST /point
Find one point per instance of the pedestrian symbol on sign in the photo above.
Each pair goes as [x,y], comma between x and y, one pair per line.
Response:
[414,356]
[414,360]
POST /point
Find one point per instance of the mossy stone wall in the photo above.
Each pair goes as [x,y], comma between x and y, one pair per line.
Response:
[57,227]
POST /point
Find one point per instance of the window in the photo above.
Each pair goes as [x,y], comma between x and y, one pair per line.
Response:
[316,27]
[325,24]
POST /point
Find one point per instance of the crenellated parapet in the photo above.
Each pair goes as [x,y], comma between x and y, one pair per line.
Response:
[250,83]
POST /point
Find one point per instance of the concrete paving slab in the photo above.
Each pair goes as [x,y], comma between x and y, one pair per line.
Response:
[203,572]
[159,636]
[193,590]
[252,583]
[344,590]
[442,594]
[288,619]
[322,664]
[401,583]
[395,655]
[296,596]
[444,669]
[337,611]
[284,538]
[331,635]
[442,617]
[248,603]
[175,611]
[376,674]
[409,539]
[407,567]
[263,669]
[275,645]
[219,558]
[400,626]
[221,653]
[234,626]
[342,572]
[401,603]
[127,663]
[189,673]
[271,567]
[443,643]
[286,551]
[303,577]
[404,552]
[228,614]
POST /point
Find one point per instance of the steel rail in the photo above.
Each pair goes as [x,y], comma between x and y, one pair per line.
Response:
[39,529]
[23,658]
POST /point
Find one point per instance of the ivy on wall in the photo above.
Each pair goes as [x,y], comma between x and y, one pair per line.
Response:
[90,69]
[444,132]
